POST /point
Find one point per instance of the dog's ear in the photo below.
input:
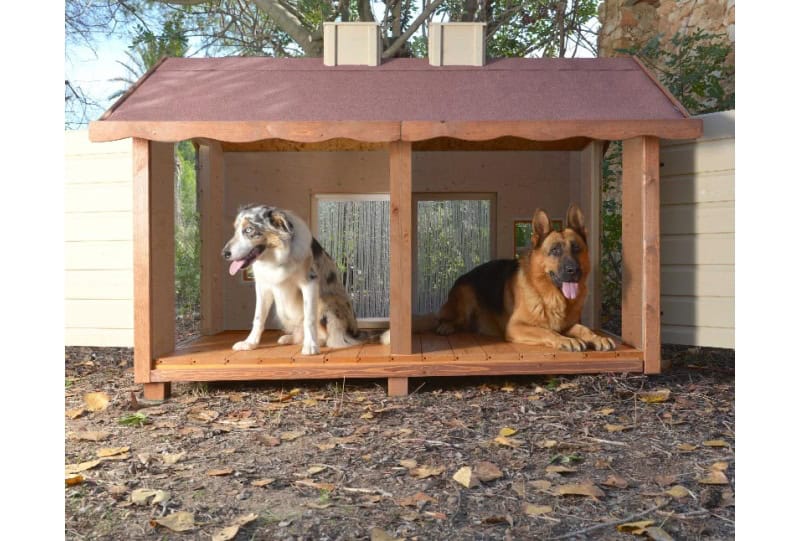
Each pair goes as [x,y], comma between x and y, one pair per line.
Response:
[280,221]
[575,221]
[541,227]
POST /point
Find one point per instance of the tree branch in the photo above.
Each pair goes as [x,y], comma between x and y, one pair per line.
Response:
[399,42]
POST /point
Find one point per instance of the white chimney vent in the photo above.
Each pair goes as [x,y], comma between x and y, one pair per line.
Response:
[457,44]
[352,44]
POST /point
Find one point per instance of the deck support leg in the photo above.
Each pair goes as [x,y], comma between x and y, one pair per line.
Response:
[641,273]
[156,391]
[398,387]
[153,258]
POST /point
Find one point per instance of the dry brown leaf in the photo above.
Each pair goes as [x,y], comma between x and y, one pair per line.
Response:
[121,456]
[367,416]
[606,411]
[508,387]
[714,477]
[271,441]
[325,446]
[580,489]
[311,484]
[408,464]
[636,528]
[533,510]
[417,498]
[228,533]
[310,402]
[507,431]
[204,415]
[655,397]
[486,471]
[96,401]
[377,534]
[292,435]
[219,472]
[546,444]
[615,481]
[678,492]
[180,521]
[423,472]
[436,515]
[465,477]
[148,496]
[508,442]
[602,463]
[313,470]
[172,458]
[263,482]
[111,451]
[541,484]
[716,443]
[72,480]
[686,447]
[617,428]
[69,469]
[664,480]
[90,436]
[555,468]
[75,413]
[720,466]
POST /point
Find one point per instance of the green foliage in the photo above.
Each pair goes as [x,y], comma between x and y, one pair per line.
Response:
[187,234]
[134,419]
[692,68]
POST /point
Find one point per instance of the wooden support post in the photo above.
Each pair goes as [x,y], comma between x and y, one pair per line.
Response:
[591,164]
[210,201]
[397,386]
[156,391]
[400,228]
[641,279]
[153,258]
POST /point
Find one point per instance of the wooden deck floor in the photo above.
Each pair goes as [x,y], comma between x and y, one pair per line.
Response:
[210,358]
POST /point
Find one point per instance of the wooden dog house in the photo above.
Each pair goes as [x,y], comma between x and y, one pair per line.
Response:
[279,130]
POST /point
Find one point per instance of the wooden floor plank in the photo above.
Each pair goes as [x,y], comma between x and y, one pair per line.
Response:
[496,349]
[466,347]
[436,348]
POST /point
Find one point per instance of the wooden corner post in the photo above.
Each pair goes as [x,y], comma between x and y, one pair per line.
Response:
[400,230]
[153,260]
[641,278]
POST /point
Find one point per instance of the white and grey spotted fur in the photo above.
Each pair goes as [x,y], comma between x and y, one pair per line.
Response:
[295,273]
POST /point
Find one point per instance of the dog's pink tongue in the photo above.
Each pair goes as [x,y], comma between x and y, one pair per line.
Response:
[235,266]
[570,289]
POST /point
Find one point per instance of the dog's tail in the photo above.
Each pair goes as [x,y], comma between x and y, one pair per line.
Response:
[420,323]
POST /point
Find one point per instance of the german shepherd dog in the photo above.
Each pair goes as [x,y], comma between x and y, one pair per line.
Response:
[534,300]
[292,270]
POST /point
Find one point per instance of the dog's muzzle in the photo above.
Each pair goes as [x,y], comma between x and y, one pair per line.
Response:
[239,264]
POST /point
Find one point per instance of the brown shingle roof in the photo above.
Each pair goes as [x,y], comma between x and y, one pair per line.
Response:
[278,90]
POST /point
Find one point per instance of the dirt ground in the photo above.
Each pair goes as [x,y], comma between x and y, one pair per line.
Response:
[575,457]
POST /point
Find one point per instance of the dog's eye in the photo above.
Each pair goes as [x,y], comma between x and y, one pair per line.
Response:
[576,248]
[556,250]
[249,230]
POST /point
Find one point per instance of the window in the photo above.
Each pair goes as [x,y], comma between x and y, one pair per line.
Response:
[455,233]
[354,230]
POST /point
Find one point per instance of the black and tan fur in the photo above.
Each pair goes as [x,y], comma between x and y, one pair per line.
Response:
[294,272]
[524,300]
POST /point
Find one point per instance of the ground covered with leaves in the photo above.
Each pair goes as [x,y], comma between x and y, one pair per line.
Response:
[579,457]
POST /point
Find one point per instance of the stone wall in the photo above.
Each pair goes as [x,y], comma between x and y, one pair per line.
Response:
[626,23]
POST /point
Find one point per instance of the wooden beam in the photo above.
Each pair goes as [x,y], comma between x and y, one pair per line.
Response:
[397,386]
[153,254]
[386,131]
[641,301]
[210,201]
[591,172]
[400,232]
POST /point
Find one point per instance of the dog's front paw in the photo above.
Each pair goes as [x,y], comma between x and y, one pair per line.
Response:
[310,349]
[286,339]
[571,344]
[601,343]
[244,345]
